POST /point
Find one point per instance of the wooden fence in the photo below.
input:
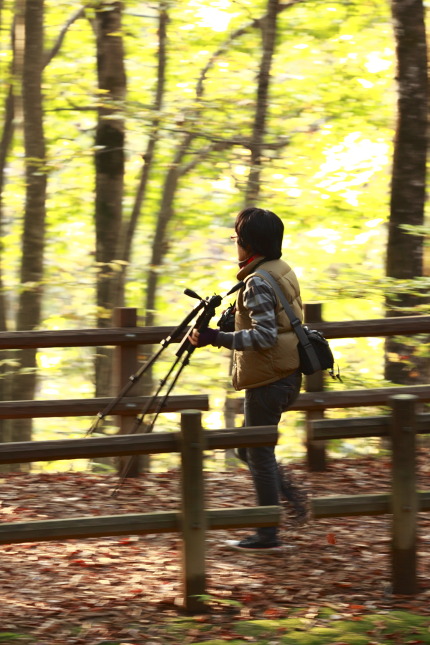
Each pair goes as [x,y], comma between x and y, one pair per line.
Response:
[192,520]
[126,337]
[404,502]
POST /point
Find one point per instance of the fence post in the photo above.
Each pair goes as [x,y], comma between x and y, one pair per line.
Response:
[126,364]
[315,450]
[404,494]
[193,521]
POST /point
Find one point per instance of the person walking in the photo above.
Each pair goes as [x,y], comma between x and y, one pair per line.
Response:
[266,361]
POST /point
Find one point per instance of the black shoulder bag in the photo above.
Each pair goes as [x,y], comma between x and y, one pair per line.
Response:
[314,351]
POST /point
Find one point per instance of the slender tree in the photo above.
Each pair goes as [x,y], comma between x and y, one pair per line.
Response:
[404,250]
[33,236]
[109,164]
[268,28]
[268,34]
[12,113]
[129,227]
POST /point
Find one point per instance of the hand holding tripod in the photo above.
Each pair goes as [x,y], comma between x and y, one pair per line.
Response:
[183,355]
[205,310]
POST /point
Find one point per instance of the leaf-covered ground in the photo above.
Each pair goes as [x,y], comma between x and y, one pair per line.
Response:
[128,590]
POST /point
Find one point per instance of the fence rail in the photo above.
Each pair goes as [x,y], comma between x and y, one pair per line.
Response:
[353,505]
[395,326]
[128,406]
[119,336]
[134,444]
[356,427]
[112,336]
[325,399]
[132,524]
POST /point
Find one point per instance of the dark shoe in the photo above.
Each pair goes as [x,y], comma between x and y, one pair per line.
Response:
[255,544]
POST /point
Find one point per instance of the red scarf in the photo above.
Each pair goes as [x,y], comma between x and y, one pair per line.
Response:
[244,263]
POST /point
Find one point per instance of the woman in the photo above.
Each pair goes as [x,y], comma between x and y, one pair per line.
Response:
[266,360]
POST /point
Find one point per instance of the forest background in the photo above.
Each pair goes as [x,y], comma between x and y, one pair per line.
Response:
[134,132]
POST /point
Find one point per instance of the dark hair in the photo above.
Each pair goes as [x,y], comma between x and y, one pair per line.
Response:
[261,230]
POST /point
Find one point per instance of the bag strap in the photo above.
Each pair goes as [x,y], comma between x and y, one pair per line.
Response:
[295,322]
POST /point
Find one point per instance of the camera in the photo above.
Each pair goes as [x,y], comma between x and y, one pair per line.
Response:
[226,322]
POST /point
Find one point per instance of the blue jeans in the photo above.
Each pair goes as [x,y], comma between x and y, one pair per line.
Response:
[264,405]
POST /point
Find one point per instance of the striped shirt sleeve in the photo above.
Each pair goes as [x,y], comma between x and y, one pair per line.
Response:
[260,300]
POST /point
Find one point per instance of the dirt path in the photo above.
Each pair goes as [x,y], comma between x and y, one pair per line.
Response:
[84,591]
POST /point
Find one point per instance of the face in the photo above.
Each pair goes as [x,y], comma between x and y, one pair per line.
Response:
[242,253]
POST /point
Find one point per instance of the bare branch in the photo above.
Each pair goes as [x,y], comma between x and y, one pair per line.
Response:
[80,13]
[217,144]
[204,152]
[235,35]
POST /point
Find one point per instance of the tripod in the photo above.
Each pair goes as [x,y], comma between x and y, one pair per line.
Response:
[206,310]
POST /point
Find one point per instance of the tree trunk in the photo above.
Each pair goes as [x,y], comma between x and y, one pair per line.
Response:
[33,236]
[148,156]
[159,245]
[12,112]
[268,26]
[109,164]
[268,32]
[405,250]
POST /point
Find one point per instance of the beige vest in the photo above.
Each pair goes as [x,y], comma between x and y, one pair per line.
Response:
[252,368]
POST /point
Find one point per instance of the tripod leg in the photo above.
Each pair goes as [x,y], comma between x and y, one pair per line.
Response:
[162,403]
[177,332]
[185,348]
[141,416]
[131,460]
[131,381]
